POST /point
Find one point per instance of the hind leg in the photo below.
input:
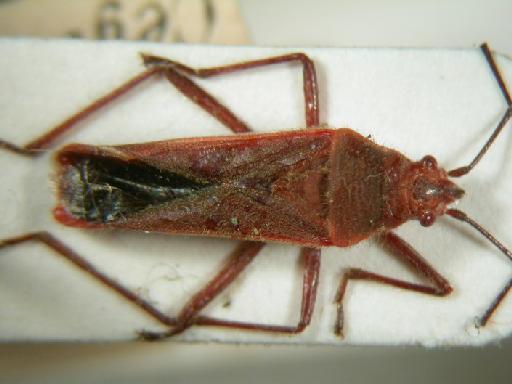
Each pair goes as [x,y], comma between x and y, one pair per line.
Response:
[177,74]
[66,252]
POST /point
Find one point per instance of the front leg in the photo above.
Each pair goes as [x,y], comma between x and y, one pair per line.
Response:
[406,254]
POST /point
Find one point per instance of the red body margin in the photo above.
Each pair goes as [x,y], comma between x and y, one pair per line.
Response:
[315,187]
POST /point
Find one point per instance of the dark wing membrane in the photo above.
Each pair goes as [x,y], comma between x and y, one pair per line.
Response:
[103,189]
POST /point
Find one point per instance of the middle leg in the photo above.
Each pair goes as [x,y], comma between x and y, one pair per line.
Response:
[178,75]
[241,257]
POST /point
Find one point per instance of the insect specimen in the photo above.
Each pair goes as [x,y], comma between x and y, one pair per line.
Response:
[316,187]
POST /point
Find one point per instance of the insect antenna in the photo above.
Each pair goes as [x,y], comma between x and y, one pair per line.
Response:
[459,215]
[461,171]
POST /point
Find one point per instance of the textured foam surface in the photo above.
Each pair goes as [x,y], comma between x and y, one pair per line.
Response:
[439,102]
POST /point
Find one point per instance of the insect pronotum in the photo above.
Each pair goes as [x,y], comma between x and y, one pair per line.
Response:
[294,194]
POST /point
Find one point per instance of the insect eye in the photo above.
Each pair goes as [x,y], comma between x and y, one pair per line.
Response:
[427,218]
[429,162]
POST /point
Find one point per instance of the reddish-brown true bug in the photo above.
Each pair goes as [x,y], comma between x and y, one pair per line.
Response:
[312,121]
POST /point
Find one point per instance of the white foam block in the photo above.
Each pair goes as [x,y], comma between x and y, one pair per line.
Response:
[440,102]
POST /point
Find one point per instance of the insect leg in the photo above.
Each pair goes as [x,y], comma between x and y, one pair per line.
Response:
[206,101]
[409,256]
[52,242]
[176,74]
[310,258]
[36,146]
[176,71]
[240,258]
[495,304]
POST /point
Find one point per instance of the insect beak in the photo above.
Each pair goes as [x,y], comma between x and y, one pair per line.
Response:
[454,192]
